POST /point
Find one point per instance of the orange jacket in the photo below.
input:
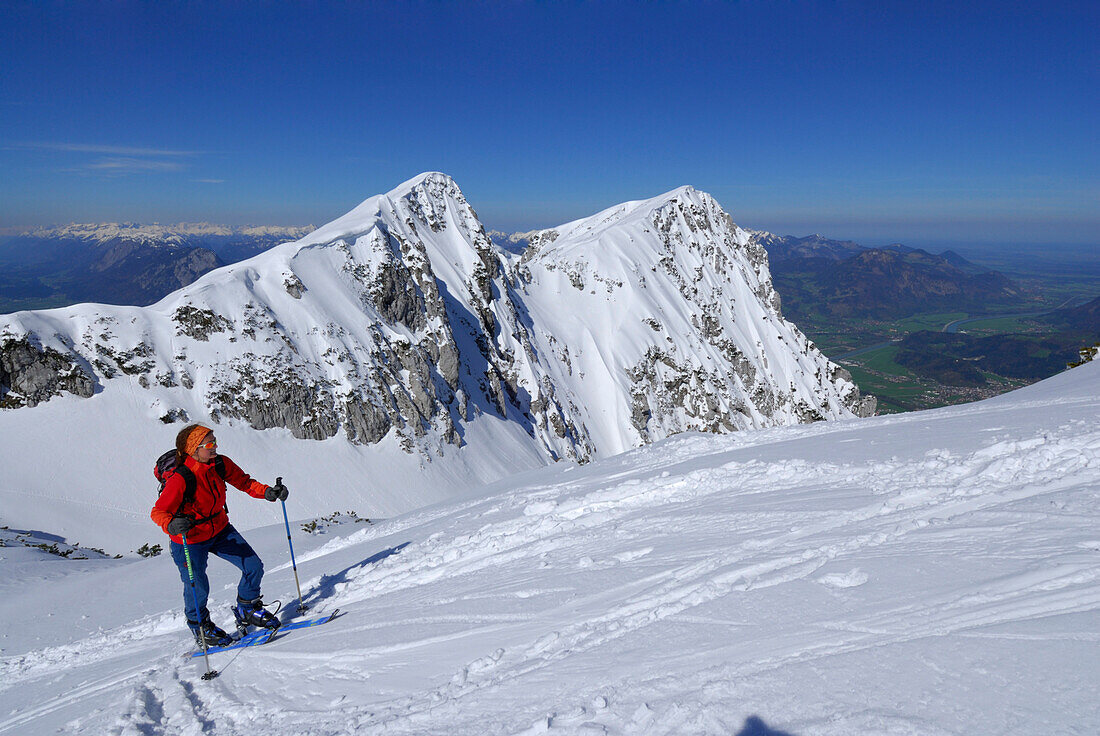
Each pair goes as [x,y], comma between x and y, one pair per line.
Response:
[209,498]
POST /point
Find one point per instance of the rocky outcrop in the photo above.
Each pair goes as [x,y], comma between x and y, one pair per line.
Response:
[199,324]
[30,374]
[862,406]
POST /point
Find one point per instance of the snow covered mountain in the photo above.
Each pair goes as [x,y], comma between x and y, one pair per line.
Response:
[661,315]
[925,573]
[401,326]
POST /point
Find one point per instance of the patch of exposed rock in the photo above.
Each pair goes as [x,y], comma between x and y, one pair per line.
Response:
[30,374]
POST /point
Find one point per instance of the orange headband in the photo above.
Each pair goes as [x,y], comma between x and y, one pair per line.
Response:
[198,434]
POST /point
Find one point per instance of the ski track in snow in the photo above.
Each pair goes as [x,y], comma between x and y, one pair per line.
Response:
[672,592]
[503,572]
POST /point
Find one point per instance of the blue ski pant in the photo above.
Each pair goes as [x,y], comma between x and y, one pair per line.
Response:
[231,547]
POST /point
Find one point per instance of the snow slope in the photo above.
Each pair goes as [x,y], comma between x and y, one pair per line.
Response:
[927,573]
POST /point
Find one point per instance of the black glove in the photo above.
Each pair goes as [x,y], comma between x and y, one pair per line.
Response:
[277,492]
[180,525]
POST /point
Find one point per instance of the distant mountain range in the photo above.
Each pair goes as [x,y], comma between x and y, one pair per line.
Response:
[121,263]
[822,278]
[786,248]
[127,263]
[1084,318]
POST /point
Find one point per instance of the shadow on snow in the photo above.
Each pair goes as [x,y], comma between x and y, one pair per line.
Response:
[755,726]
[327,586]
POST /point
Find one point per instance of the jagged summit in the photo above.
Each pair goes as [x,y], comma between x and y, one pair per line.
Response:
[591,228]
[367,213]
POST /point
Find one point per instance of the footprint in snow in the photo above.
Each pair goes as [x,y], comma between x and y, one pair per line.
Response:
[633,554]
[849,579]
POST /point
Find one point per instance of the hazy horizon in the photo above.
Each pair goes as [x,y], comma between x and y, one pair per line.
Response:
[931,244]
[859,121]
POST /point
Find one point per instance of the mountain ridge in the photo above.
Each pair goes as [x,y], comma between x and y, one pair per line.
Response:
[842,279]
[399,327]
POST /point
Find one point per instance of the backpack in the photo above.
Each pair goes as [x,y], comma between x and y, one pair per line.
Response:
[168,465]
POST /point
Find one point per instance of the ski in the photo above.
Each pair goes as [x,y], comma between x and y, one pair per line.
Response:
[251,639]
[262,636]
[306,623]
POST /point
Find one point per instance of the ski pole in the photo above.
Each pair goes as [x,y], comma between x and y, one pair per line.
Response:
[210,674]
[293,564]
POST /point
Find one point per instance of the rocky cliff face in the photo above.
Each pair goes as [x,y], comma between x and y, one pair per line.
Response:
[30,374]
[401,321]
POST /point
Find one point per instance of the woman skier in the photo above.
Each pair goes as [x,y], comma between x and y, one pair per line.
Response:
[192,506]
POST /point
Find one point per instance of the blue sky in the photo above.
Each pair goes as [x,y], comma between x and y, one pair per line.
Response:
[881,122]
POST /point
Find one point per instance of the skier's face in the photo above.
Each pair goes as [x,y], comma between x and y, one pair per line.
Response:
[208,450]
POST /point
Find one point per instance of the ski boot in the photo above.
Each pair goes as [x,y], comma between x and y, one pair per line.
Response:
[207,634]
[253,613]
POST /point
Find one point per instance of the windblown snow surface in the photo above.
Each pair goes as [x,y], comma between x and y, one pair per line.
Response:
[927,573]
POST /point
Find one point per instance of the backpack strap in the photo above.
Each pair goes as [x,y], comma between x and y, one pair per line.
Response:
[219,466]
[189,485]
